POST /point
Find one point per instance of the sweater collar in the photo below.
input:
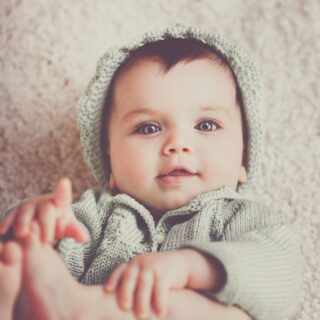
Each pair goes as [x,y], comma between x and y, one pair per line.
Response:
[190,207]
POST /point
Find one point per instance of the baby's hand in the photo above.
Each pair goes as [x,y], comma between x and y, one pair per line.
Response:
[147,279]
[51,211]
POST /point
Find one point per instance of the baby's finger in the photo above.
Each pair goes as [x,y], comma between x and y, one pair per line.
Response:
[24,218]
[60,227]
[76,231]
[127,287]
[47,220]
[35,234]
[113,280]
[160,298]
[143,294]
[63,193]
[6,223]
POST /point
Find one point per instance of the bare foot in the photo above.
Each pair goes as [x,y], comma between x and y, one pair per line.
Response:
[10,277]
[53,294]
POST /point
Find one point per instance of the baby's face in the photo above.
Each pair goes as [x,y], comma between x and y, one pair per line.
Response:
[186,118]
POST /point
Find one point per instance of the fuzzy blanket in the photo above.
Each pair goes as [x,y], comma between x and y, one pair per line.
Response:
[48,54]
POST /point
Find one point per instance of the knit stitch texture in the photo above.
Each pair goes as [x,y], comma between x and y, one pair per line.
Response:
[259,250]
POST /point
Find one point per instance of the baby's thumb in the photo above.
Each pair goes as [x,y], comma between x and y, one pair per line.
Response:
[75,231]
[63,193]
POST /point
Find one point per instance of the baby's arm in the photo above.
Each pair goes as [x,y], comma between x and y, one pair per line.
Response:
[151,279]
[188,304]
[262,259]
[52,212]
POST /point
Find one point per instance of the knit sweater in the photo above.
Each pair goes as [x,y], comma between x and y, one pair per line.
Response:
[259,250]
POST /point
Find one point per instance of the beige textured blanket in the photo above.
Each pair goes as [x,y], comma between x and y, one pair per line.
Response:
[48,51]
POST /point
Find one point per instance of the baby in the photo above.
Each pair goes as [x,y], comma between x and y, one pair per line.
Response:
[171,127]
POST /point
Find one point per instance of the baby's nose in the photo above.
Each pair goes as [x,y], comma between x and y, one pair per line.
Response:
[178,150]
[175,146]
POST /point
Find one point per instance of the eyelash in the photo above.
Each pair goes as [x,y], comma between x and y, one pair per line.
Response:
[140,127]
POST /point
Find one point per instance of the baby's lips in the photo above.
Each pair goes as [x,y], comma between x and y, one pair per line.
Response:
[177,171]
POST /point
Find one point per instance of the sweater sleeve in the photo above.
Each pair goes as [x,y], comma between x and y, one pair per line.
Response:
[261,256]
[91,212]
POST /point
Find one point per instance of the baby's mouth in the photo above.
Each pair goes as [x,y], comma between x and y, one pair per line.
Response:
[177,171]
[181,172]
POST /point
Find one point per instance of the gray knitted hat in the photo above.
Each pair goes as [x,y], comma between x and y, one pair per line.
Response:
[90,107]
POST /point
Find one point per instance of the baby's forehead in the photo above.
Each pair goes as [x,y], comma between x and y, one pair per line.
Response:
[189,95]
[139,65]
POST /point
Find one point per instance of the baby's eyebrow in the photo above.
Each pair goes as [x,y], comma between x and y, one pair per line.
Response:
[226,111]
[137,112]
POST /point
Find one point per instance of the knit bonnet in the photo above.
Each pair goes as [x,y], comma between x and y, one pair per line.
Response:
[90,106]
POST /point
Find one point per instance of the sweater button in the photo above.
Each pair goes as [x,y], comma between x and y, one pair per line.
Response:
[160,238]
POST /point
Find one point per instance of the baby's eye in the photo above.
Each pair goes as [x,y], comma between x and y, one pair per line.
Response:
[207,125]
[147,128]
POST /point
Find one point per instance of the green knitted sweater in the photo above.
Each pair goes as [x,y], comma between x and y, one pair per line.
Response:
[259,250]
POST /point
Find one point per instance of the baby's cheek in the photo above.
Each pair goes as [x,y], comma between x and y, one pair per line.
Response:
[133,169]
